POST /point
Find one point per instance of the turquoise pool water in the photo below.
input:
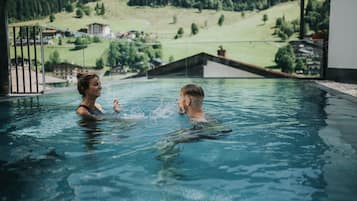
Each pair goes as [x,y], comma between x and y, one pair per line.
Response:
[289,141]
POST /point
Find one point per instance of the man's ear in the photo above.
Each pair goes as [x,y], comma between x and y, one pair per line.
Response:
[187,100]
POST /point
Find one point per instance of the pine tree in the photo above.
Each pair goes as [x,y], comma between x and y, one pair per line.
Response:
[52,17]
[218,6]
[179,33]
[69,8]
[200,7]
[221,20]
[79,13]
[26,11]
[265,18]
[243,14]
[174,19]
[102,10]
[194,28]
[97,8]
[19,9]
[99,64]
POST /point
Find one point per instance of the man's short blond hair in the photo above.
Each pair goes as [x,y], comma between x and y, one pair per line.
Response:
[196,92]
[193,90]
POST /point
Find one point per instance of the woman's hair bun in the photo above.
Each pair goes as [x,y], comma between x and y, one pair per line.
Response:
[80,75]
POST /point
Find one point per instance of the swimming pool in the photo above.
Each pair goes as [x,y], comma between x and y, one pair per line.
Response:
[290,141]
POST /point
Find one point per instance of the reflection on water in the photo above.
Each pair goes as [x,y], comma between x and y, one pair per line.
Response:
[92,131]
[169,151]
[288,141]
[26,161]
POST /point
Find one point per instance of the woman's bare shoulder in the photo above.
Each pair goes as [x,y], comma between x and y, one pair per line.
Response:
[99,107]
[82,111]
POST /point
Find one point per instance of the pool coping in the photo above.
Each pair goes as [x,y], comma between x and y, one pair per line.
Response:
[335,88]
[338,89]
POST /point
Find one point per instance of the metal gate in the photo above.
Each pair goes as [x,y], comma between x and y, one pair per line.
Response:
[25,42]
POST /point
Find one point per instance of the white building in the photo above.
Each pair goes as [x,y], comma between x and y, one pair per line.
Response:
[99,29]
[342,48]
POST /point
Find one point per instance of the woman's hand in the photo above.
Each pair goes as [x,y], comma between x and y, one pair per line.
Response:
[116,105]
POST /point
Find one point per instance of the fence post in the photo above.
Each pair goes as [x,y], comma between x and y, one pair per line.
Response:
[4,50]
[324,57]
[302,19]
[43,64]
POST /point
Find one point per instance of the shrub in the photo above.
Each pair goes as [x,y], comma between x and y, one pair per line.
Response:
[194,29]
[96,39]
[52,17]
[221,20]
[99,64]
[69,8]
[79,13]
[285,59]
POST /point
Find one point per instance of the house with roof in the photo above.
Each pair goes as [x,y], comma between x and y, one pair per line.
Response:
[50,33]
[99,29]
[204,65]
[69,71]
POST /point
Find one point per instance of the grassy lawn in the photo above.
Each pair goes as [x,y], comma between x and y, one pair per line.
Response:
[235,34]
[242,39]
[93,52]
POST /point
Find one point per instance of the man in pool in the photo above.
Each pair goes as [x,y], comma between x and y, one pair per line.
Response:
[190,102]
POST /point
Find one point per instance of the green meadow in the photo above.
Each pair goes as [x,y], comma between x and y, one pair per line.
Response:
[90,54]
[246,39]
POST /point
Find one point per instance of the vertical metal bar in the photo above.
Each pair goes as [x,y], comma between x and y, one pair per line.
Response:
[43,65]
[83,57]
[28,56]
[9,67]
[16,64]
[186,73]
[23,61]
[34,47]
[324,57]
[322,62]
[302,19]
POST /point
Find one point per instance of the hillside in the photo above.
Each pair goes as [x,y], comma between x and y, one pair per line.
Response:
[241,36]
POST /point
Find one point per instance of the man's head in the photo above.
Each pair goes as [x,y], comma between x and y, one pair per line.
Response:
[191,98]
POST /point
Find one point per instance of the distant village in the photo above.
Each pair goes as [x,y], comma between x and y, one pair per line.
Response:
[309,51]
[68,71]
[95,29]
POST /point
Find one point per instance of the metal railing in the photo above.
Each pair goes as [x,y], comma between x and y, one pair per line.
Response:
[24,64]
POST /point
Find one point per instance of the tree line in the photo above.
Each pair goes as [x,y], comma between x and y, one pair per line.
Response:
[21,10]
[231,5]
[317,15]
[135,55]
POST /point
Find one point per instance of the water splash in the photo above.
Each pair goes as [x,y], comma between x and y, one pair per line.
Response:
[164,110]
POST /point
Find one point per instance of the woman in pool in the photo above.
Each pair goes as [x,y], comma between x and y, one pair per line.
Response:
[89,87]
